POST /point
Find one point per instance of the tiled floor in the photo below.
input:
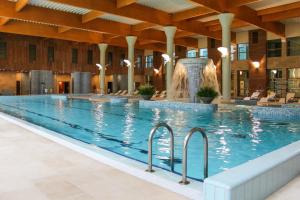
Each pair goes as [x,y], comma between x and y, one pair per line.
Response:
[289,192]
[34,168]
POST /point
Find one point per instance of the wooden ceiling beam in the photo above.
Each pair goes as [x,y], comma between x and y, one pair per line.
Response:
[235,24]
[191,13]
[3,21]
[62,29]
[278,9]
[243,13]
[123,3]
[60,18]
[134,11]
[40,30]
[281,15]
[91,16]
[139,12]
[142,26]
[69,20]
[237,3]
[20,4]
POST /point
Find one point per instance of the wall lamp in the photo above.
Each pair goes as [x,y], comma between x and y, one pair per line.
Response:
[256,64]
[166,58]
[156,71]
[127,62]
[224,51]
[99,66]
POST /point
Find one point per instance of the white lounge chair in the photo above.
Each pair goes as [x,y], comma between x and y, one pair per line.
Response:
[123,93]
[117,93]
[254,96]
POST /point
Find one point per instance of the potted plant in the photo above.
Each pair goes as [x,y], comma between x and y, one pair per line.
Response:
[146,91]
[207,94]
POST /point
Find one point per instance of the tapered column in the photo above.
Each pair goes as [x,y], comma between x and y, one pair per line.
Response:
[102,48]
[131,42]
[170,33]
[226,20]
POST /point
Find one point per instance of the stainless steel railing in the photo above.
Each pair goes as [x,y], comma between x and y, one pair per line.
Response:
[150,142]
[184,180]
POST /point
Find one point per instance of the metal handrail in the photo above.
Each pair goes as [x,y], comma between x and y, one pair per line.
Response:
[150,142]
[184,180]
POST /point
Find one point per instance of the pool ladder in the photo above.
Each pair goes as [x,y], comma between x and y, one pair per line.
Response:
[184,180]
[150,142]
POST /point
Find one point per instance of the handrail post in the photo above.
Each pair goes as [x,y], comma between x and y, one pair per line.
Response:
[150,142]
[184,180]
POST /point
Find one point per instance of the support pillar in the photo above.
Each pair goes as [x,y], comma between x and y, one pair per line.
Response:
[131,42]
[225,21]
[170,33]
[102,48]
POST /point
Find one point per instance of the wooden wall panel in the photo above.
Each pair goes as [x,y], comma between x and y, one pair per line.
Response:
[214,54]
[257,52]
[18,56]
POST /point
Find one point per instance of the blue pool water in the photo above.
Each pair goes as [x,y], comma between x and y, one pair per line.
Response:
[234,136]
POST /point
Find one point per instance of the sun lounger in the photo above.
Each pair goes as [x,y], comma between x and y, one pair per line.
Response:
[254,96]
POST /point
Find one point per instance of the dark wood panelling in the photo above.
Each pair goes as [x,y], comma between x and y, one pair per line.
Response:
[214,54]
[257,52]
[18,56]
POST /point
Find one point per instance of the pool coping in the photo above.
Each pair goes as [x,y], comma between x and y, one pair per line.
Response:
[162,178]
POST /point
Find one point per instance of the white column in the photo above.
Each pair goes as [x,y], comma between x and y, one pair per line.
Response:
[226,20]
[131,42]
[102,48]
[170,33]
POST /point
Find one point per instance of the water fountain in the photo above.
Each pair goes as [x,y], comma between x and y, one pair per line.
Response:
[190,74]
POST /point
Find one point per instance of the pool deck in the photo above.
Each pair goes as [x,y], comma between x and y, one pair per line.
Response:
[33,167]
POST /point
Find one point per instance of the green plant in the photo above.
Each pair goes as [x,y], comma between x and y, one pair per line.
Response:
[146,90]
[207,92]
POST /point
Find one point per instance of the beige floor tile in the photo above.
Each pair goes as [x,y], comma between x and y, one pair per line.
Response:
[34,168]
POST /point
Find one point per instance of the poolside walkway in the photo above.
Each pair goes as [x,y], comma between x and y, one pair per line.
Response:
[35,168]
[291,191]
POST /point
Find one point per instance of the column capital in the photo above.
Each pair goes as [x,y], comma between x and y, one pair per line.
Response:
[170,31]
[102,46]
[226,19]
[131,40]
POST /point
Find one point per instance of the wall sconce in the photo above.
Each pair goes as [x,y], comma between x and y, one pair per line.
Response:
[99,66]
[224,51]
[166,58]
[127,62]
[274,71]
[256,64]
[156,71]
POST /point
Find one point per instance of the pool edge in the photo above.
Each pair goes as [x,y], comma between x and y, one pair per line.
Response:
[161,178]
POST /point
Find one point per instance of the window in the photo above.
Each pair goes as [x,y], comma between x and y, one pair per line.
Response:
[191,54]
[274,48]
[149,61]
[293,46]
[294,81]
[139,61]
[110,58]
[50,54]
[203,53]
[74,56]
[242,51]
[232,51]
[90,57]
[3,50]
[275,81]
[122,58]
[254,37]
[212,43]
[32,53]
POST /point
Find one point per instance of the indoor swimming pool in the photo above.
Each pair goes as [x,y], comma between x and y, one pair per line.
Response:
[235,136]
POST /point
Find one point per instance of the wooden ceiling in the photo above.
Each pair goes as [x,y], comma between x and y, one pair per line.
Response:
[94,21]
